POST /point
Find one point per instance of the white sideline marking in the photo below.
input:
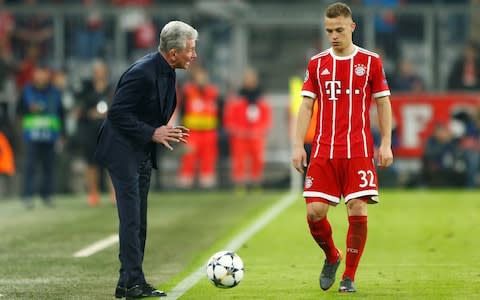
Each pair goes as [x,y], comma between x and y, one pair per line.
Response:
[192,279]
[97,246]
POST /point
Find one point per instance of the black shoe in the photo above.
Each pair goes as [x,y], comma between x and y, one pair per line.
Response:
[327,277]
[347,286]
[143,291]
[120,292]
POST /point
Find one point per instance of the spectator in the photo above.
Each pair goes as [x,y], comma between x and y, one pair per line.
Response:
[465,72]
[140,30]
[200,114]
[35,29]
[7,27]
[441,166]
[407,79]
[385,23]
[247,119]
[61,80]
[94,100]
[145,35]
[469,143]
[90,37]
[26,67]
[41,110]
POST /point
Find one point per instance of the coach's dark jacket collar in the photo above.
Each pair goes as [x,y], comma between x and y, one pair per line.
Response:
[162,65]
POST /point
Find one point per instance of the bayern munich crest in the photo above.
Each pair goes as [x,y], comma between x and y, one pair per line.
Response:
[308,182]
[360,70]
[306,77]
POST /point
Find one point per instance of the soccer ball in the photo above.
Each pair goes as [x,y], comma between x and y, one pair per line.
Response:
[225,269]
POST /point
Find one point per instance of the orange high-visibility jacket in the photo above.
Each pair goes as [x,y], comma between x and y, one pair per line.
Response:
[7,161]
[200,107]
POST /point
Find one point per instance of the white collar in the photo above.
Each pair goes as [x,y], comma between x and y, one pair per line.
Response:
[355,50]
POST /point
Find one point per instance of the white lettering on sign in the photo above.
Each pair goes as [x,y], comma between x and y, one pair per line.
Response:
[415,119]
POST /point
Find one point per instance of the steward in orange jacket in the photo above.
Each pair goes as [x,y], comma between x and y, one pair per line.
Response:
[247,120]
[200,115]
[7,161]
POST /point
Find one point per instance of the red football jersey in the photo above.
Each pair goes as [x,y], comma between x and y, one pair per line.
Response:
[344,87]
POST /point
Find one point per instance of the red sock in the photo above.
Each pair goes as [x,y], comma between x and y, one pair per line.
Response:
[356,238]
[322,234]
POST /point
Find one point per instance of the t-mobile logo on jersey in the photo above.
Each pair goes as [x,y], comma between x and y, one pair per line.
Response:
[333,88]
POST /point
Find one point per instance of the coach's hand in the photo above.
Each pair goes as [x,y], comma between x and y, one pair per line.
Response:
[167,133]
[385,156]
[299,158]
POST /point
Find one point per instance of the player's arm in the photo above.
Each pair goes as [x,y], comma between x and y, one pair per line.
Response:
[384,109]
[299,156]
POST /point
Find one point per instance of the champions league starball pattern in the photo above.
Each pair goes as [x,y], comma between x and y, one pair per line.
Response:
[225,269]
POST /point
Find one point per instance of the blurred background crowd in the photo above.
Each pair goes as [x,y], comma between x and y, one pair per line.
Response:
[60,59]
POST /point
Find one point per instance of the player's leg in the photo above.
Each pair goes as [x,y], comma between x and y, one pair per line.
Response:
[361,188]
[321,231]
[322,190]
[320,228]
[356,239]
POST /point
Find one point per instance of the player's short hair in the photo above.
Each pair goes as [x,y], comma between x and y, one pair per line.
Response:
[338,9]
[175,34]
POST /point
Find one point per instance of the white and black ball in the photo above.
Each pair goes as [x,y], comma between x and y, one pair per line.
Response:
[225,269]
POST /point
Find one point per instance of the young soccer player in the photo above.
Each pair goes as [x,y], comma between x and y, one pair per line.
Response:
[343,79]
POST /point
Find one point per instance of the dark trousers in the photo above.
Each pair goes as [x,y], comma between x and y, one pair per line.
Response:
[44,154]
[131,189]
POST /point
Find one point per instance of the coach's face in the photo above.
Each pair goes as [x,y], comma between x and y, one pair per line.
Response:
[339,31]
[183,58]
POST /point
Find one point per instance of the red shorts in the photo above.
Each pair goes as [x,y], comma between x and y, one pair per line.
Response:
[330,179]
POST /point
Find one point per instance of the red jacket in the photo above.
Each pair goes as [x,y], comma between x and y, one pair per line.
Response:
[247,120]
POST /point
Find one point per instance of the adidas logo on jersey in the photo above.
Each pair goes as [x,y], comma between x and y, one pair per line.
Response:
[325,72]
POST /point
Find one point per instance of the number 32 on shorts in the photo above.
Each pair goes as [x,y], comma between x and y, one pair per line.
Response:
[367,178]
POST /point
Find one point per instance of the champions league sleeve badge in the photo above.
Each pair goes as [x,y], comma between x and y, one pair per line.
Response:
[306,76]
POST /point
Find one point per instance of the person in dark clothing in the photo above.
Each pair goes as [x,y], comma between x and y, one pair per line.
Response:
[440,159]
[94,100]
[41,110]
[465,72]
[143,103]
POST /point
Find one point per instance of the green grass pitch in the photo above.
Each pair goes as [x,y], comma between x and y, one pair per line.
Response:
[421,245]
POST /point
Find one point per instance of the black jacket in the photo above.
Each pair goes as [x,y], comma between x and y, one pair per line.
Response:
[455,80]
[144,99]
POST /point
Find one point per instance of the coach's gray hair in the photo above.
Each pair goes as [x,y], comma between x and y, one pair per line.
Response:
[175,34]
